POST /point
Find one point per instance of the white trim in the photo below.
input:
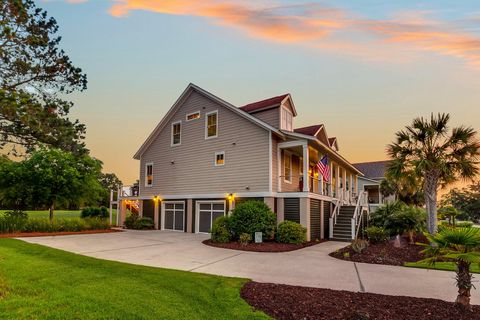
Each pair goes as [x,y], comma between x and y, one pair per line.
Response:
[289,155]
[215,159]
[284,121]
[192,113]
[289,144]
[146,174]
[206,124]
[171,134]
[270,164]
[185,94]
[197,212]
[162,215]
[279,169]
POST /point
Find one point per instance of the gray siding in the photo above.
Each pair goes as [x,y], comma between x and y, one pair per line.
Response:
[193,171]
[275,172]
[270,116]
[291,209]
[315,216]
[295,185]
[326,219]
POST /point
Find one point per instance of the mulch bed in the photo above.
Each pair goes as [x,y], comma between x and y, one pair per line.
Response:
[294,302]
[268,246]
[384,253]
[62,233]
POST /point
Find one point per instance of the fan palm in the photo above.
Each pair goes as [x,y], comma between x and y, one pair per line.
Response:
[427,149]
[458,245]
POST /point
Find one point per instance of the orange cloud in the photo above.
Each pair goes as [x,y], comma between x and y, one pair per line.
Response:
[319,26]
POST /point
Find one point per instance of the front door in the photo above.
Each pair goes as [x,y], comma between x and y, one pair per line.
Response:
[207,212]
[174,215]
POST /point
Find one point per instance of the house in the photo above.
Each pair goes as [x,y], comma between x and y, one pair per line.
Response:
[373,174]
[207,155]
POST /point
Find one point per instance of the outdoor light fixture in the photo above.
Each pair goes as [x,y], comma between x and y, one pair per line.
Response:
[155,198]
[230,196]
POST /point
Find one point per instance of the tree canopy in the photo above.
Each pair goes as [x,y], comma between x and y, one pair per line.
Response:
[465,200]
[35,76]
[427,149]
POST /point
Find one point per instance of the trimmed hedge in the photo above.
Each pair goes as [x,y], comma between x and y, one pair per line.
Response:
[220,232]
[135,222]
[100,212]
[253,216]
[291,232]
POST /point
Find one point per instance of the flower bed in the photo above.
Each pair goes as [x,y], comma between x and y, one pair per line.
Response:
[384,253]
[269,246]
[294,302]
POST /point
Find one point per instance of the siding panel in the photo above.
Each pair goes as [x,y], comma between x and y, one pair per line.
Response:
[292,209]
[326,219]
[270,116]
[315,223]
[193,171]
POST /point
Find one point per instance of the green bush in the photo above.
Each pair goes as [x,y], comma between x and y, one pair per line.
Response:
[409,219]
[464,224]
[143,223]
[253,216]
[131,219]
[379,217]
[358,245]
[91,212]
[65,224]
[291,232]
[245,238]
[221,230]
[377,234]
[13,221]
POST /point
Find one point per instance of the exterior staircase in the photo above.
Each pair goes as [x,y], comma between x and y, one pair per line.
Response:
[342,230]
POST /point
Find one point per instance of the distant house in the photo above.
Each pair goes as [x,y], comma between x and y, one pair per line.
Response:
[207,155]
[373,174]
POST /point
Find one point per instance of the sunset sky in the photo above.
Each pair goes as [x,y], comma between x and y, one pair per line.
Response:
[363,68]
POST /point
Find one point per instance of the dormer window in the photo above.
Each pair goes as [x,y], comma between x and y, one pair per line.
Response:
[176,133]
[286,119]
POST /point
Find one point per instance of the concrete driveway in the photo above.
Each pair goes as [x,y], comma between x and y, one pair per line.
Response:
[307,267]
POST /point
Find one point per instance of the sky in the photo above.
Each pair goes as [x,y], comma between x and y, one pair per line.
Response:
[365,69]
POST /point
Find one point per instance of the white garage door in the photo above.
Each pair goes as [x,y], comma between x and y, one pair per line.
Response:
[173,215]
[207,212]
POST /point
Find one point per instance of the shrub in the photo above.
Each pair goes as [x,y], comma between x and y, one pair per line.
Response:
[68,224]
[379,217]
[358,245]
[101,212]
[131,219]
[408,219]
[376,234]
[252,216]
[448,213]
[291,232]
[135,222]
[245,238]
[221,230]
[13,221]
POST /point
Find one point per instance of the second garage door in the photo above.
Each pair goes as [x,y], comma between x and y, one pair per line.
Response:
[207,212]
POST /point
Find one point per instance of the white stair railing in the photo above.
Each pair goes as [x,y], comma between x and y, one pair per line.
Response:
[333,217]
[360,207]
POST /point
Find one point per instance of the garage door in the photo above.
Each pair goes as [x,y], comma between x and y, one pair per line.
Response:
[207,212]
[173,215]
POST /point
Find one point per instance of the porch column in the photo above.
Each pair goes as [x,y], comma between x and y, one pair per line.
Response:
[330,192]
[320,184]
[140,208]
[280,212]
[344,184]
[155,215]
[189,215]
[279,169]
[306,178]
[123,212]
[351,185]
[305,215]
[337,182]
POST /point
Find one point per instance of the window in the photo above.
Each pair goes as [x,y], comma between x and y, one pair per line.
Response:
[176,133]
[287,167]
[286,120]
[219,158]
[193,116]
[148,174]
[211,125]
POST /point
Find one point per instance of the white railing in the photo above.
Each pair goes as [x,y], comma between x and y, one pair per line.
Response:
[333,217]
[362,204]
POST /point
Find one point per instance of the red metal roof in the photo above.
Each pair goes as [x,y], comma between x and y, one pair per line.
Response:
[251,107]
[309,131]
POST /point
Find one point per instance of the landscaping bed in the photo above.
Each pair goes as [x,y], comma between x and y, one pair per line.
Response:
[384,253]
[59,233]
[294,302]
[268,246]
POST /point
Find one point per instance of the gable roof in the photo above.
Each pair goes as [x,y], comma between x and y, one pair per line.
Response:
[268,103]
[186,93]
[373,169]
[310,130]
[333,142]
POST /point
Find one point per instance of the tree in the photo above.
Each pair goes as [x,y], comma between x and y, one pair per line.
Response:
[450,213]
[466,200]
[407,189]
[108,181]
[35,76]
[427,149]
[49,177]
[458,245]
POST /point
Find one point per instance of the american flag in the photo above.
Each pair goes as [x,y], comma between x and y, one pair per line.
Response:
[323,168]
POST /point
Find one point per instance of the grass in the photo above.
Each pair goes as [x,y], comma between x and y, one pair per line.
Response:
[58,213]
[446,266]
[43,283]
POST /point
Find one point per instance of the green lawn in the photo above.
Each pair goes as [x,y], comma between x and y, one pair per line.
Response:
[46,283]
[448,266]
[58,213]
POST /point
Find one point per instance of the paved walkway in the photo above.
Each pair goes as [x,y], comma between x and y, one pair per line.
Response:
[307,267]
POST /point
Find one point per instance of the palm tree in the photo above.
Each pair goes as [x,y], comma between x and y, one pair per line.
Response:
[458,245]
[428,150]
